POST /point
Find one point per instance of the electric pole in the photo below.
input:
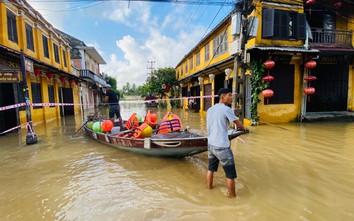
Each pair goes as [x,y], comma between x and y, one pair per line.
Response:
[238,86]
[151,66]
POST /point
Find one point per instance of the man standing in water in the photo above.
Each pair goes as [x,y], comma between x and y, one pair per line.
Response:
[113,101]
[218,118]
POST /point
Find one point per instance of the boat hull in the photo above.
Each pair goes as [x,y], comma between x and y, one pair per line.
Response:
[177,144]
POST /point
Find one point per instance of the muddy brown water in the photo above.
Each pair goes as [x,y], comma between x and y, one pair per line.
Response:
[285,172]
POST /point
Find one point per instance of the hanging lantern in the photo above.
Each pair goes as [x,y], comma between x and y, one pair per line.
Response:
[310,2]
[77,82]
[268,64]
[310,64]
[338,4]
[309,90]
[268,93]
[49,75]
[62,79]
[310,78]
[70,81]
[268,78]
[37,71]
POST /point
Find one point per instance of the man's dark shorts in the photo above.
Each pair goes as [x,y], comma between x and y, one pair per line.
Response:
[114,110]
[223,155]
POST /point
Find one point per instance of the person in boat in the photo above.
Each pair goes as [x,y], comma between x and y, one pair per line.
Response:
[218,118]
[112,100]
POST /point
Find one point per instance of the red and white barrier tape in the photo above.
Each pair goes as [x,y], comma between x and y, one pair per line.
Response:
[12,106]
[72,104]
[19,126]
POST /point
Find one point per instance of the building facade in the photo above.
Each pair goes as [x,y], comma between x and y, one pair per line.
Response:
[87,61]
[309,43]
[48,68]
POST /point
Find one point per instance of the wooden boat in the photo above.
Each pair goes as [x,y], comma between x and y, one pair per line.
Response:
[175,144]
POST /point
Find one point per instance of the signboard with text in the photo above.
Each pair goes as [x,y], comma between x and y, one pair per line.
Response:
[9,77]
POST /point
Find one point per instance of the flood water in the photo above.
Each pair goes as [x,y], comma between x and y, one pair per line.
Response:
[285,172]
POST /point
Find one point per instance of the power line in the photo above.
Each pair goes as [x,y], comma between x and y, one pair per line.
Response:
[189,2]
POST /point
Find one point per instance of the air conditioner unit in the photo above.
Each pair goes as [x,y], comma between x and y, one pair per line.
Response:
[235,47]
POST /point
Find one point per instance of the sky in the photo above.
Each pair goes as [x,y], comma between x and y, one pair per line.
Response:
[129,34]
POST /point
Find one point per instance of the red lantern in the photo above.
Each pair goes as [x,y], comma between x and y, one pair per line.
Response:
[310,2]
[49,75]
[310,64]
[337,4]
[76,82]
[268,93]
[268,64]
[309,90]
[70,81]
[107,125]
[62,79]
[268,78]
[37,71]
[310,78]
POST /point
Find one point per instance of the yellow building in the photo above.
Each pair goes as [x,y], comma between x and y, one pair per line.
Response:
[292,34]
[49,73]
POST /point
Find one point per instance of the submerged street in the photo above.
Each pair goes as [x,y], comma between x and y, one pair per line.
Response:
[285,172]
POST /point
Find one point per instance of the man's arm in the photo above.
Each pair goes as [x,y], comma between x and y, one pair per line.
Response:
[239,126]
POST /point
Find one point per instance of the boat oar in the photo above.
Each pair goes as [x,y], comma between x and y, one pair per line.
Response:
[89,120]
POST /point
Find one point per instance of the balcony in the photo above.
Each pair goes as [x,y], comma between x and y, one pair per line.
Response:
[331,38]
[92,77]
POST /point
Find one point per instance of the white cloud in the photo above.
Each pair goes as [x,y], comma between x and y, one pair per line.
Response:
[166,52]
[50,11]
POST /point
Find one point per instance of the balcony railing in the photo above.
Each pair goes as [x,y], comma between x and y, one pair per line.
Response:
[331,38]
[92,76]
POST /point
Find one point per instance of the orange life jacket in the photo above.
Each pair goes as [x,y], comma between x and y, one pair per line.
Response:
[132,122]
[170,122]
[148,120]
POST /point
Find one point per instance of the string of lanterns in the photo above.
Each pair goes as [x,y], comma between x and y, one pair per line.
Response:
[49,75]
[268,93]
[308,90]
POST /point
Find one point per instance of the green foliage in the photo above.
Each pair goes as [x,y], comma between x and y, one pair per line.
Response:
[158,78]
[112,82]
[257,86]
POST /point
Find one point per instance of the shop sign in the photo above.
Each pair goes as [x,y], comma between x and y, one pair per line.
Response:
[29,65]
[9,77]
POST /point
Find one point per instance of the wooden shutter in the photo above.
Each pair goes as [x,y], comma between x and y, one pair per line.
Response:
[301,26]
[283,24]
[268,23]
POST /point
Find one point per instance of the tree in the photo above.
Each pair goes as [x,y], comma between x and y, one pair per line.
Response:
[160,77]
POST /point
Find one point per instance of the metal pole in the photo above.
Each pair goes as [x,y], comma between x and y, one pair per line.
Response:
[31,137]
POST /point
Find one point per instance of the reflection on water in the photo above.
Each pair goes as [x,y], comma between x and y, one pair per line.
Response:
[285,172]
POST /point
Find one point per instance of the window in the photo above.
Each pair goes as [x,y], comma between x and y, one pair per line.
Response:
[191,63]
[283,25]
[45,46]
[11,26]
[51,94]
[29,37]
[64,58]
[186,67]
[207,52]
[56,53]
[197,59]
[220,44]
[36,94]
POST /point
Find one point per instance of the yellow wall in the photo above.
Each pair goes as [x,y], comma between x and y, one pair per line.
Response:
[39,28]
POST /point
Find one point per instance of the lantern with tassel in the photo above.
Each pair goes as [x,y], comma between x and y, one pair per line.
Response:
[62,79]
[268,93]
[36,71]
[49,75]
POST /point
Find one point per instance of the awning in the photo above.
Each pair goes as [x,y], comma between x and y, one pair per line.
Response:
[336,51]
[285,49]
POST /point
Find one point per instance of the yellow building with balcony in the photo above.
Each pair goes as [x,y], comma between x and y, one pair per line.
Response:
[292,34]
[48,68]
